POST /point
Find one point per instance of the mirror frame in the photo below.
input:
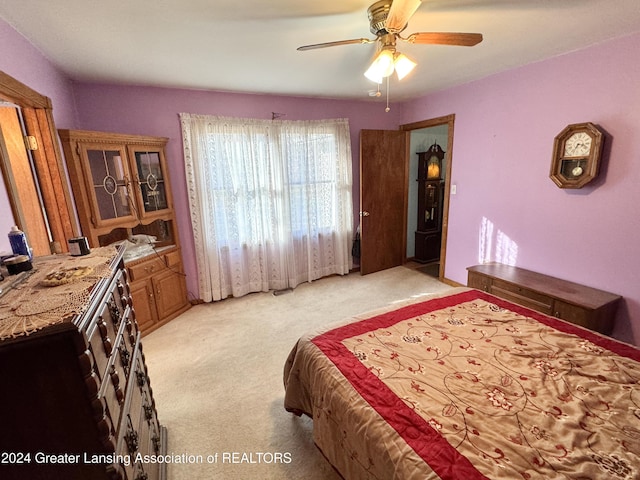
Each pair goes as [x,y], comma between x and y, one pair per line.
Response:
[37,112]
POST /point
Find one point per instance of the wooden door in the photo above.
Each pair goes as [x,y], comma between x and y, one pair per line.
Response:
[170,293]
[383,199]
[145,303]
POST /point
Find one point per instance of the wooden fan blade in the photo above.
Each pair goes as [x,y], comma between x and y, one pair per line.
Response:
[400,13]
[460,39]
[333,44]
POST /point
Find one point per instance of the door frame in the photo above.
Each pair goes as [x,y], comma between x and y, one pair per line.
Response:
[37,112]
[448,120]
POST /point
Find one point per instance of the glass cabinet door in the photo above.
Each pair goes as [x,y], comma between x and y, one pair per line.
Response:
[108,177]
[151,179]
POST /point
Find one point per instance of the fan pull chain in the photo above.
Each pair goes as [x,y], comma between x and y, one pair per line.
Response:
[387,109]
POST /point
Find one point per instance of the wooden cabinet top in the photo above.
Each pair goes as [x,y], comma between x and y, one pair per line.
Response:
[91,136]
[553,287]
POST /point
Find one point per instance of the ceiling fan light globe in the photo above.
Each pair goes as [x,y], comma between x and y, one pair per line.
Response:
[381,67]
[403,65]
[385,62]
[373,75]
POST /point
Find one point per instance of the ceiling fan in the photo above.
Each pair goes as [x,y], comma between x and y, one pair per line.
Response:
[387,19]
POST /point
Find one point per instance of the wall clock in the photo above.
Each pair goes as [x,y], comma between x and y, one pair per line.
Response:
[576,155]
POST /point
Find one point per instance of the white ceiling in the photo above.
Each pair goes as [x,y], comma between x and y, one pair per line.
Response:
[250,45]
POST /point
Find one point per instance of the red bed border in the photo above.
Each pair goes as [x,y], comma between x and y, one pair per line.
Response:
[441,457]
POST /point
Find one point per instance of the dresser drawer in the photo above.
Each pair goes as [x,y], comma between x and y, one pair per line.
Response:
[149,436]
[479,281]
[173,259]
[129,446]
[137,389]
[118,296]
[143,409]
[572,313]
[522,296]
[140,430]
[146,268]
[104,328]
[102,337]
[114,385]
[155,264]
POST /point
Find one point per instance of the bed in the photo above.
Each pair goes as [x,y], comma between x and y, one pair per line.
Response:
[468,386]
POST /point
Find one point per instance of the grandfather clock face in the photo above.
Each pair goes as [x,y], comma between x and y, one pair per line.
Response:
[433,168]
[434,157]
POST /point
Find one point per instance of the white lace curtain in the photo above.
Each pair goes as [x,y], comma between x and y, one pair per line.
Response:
[270,201]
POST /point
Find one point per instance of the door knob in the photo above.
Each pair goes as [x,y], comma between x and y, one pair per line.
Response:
[364,214]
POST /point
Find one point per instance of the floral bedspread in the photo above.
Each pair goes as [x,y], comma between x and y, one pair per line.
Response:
[469,386]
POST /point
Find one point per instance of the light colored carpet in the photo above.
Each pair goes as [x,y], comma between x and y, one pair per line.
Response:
[216,374]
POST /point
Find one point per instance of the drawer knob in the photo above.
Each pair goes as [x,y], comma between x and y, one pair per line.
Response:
[114,311]
[108,348]
[132,441]
[119,396]
[124,356]
[148,412]
[156,443]
[142,378]
[102,326]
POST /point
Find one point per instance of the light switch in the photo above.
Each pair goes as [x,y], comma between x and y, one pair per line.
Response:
[454,189]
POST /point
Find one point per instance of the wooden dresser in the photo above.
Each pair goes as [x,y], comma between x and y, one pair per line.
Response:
[575,303]
[76,401]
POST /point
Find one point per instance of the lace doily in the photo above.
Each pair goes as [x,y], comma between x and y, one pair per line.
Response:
[29,307]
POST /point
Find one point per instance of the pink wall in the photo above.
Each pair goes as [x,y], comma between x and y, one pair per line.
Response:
[504,130]
[25,63]
[154,111]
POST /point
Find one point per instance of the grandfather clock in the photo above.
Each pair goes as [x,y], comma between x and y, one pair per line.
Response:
[430,201]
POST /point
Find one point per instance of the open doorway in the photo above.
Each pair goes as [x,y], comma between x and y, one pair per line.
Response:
[20,197]
[428,193]
[51,198]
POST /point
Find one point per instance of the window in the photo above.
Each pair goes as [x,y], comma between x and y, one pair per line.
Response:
[271,203]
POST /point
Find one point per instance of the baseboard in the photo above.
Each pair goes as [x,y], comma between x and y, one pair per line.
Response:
[452,283]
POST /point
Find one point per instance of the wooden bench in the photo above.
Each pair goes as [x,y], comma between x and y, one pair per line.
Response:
[589,307]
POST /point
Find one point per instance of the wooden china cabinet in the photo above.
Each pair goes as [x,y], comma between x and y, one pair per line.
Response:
[122,192]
